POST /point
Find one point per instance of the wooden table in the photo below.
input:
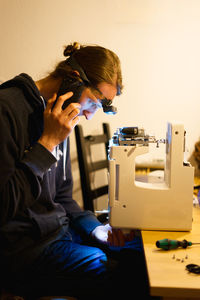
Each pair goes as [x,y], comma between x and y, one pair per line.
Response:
[167,272]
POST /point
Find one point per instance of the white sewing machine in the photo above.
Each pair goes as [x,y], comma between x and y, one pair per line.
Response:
[165,205]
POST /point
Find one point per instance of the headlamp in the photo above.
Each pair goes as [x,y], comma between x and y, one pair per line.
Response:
[108,108]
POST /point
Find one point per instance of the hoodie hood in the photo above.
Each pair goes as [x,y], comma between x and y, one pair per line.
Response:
[25,83]
[28,86]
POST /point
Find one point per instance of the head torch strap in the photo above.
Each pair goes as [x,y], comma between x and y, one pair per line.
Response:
[75,65]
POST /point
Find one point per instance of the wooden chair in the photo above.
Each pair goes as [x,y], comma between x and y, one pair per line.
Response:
[87,167]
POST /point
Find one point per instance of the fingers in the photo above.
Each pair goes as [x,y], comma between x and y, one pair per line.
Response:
[50,103]
[60,101]
[116,238]
[120,238]
[70,112]
[130,236]
[75,121]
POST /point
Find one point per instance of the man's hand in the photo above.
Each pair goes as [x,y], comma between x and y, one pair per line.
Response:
[114,237]
[58,123]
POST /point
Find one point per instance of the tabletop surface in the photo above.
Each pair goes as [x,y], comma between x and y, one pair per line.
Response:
[167,269]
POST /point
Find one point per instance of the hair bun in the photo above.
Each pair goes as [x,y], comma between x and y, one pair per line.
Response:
[70,49]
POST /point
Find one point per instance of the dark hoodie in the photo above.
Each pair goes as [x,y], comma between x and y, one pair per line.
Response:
[35,187]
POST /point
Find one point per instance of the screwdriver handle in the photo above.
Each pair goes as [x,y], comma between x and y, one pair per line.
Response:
[167,244]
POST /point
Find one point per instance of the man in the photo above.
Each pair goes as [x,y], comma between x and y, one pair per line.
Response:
[45,237]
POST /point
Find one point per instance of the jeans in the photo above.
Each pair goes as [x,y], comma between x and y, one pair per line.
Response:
[69,266]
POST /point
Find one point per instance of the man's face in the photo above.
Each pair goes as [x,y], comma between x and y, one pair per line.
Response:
[90,99]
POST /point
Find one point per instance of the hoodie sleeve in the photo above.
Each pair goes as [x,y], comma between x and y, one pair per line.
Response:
[83,221]
[20,173]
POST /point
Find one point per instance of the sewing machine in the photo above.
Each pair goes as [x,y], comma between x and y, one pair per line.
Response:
[162,205]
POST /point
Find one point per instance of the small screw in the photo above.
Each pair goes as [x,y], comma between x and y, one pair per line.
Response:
[186,257]
[182,260]
[173,257]
[178,259]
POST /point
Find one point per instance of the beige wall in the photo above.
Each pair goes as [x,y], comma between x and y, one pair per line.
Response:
[158,42]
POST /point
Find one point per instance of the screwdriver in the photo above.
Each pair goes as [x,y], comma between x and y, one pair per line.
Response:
[167,244]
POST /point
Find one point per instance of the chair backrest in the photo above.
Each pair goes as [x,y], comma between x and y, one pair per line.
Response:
[86,166]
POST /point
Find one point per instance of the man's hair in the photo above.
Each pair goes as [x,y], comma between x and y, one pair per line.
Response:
[98,63]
